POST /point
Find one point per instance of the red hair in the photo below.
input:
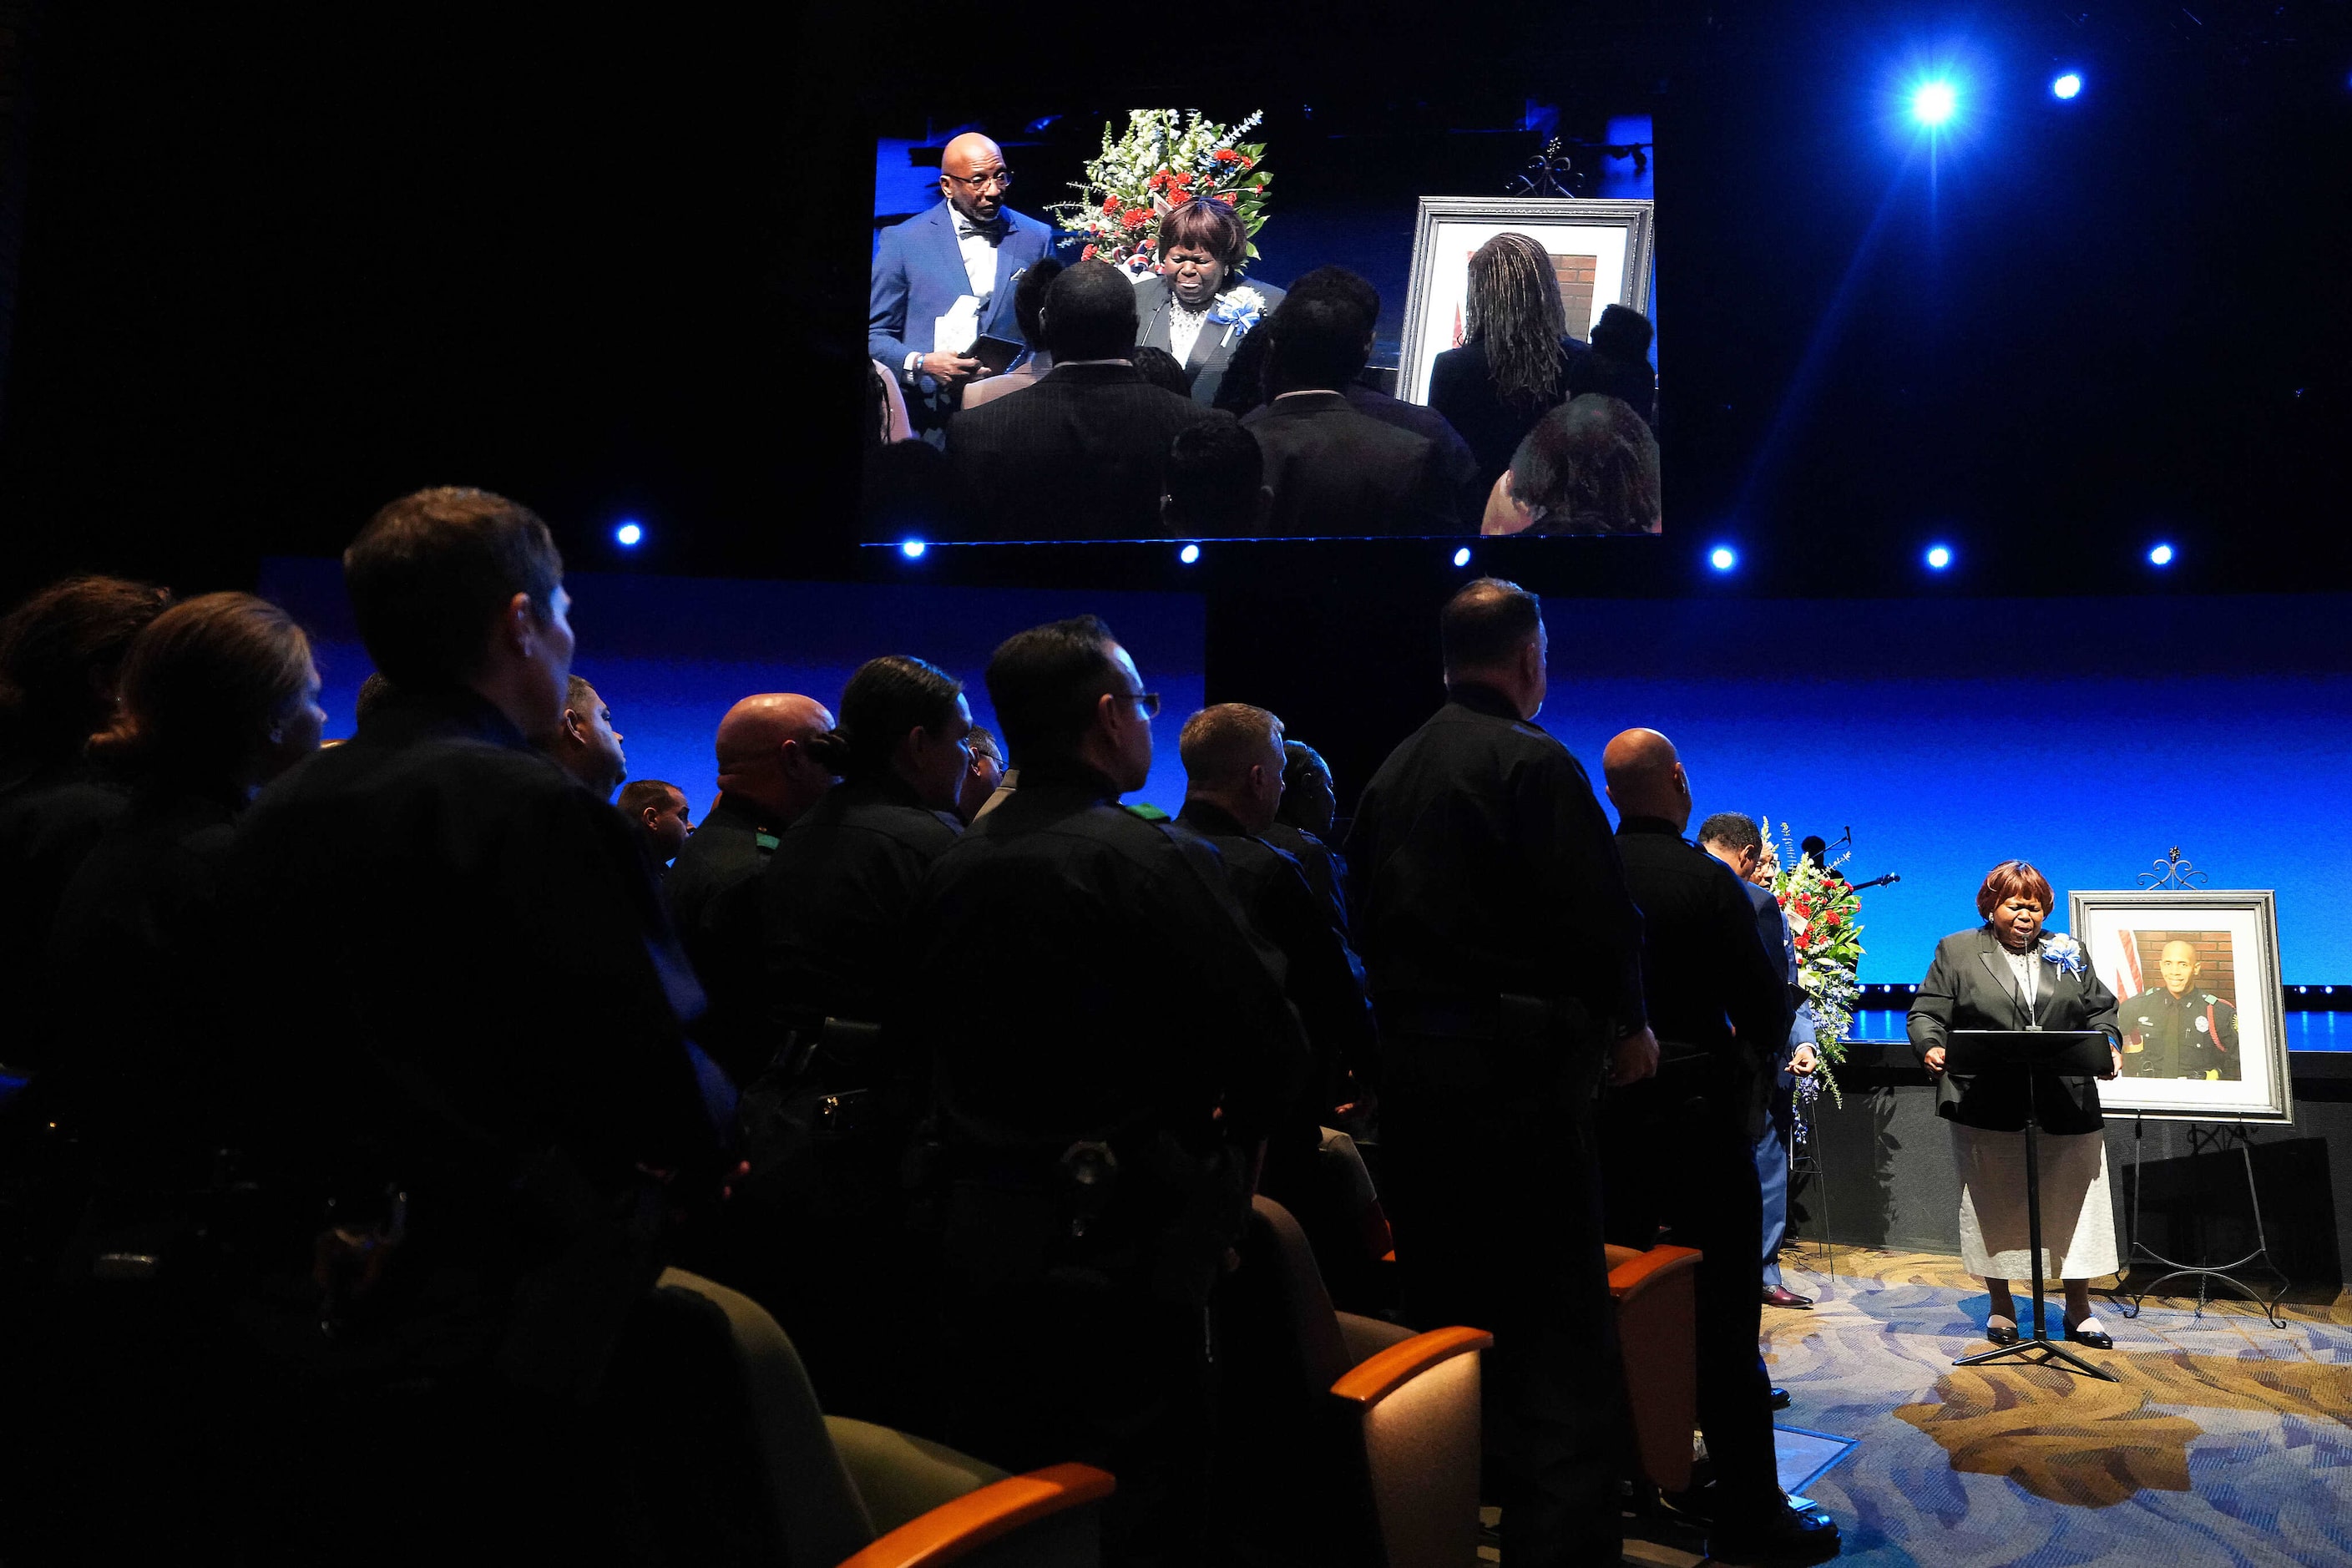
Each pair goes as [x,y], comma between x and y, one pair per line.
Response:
[1211,225]
[2006,881]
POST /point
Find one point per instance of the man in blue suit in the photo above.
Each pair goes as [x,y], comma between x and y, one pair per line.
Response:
[972,245]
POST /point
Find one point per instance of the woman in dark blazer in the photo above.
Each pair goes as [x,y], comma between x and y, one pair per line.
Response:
[1513,366]
[2008,974]
[1195,303]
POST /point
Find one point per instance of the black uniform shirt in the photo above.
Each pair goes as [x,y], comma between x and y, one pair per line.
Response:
[834,899]
[50,815]
[2190,1036]
[713,891]
[1326,980]
[1482,866]
[1704,964]
[1123,993]
[1326,867]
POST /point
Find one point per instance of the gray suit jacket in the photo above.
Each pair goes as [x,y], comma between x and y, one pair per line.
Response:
[1969,986]
[1212,350]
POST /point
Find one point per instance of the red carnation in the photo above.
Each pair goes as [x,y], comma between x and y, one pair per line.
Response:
[1110,204]
[1249,164]
[1136,219]
[1180,178]
[1226,197]
[1088,254]
[1227,155]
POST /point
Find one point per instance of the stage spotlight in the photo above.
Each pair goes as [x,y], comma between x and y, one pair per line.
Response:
[2160,556]
[1189,554]
[1933,103]
[1938,557]
[1723,558]
[629,535]
[2066,86]
[1462,556]
[912,549]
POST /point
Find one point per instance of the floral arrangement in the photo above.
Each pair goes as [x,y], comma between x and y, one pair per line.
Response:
[2064,952]
[1164,160]
[1823,912]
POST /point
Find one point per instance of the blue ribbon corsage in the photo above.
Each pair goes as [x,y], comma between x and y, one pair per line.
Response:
[2064,952]
[1239,308]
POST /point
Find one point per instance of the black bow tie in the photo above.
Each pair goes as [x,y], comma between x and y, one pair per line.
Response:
[991,231]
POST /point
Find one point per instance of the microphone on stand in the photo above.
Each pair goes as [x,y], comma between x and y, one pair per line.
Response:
[1878,881]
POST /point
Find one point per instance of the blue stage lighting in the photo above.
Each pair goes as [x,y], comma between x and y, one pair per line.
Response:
[1933,103]
[1938,557]
[1723,558]
[629,535]
[1189,554]
[2160,556]
[912,549]
[2066,86]
[1462,556]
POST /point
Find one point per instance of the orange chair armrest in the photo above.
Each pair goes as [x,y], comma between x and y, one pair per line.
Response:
[1371,1381]
[954,1529]
[1647,1266]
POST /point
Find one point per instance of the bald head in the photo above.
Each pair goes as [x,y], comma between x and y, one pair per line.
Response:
[2178,963]
[970,158]
[763,757]
[1646,777]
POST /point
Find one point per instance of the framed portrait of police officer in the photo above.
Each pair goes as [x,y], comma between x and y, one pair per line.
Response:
[2198,1000]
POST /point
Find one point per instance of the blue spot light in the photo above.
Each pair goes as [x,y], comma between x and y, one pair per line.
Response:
[1462,556]
[1723,558]
[629,535]
[2160,556]
[1189,554]
[912,549]
[1933,103]
[2066,86]
[1938,557]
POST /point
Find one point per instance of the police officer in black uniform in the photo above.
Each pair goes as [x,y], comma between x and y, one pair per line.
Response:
[468,1089]
[767,778]
[825,1126]
[2177,1030]
[1504,954]
[1302,825]
[1097,1136]
[1680,1149]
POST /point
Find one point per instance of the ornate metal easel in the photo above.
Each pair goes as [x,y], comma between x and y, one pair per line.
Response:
[2204,1138]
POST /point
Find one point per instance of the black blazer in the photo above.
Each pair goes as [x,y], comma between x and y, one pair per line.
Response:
[1080,455]
[1462,387]
[1213,351]
[1969,986]
[1335,471]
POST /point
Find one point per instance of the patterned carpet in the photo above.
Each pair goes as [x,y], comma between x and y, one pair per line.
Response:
[2228,1441]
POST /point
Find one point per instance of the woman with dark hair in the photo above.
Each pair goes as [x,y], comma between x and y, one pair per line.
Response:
[1589,466]
[1195,303]
[60,651]
[827,1124]
[2009,973]
[1513,365]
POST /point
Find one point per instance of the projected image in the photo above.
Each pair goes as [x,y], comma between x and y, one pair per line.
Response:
[2195,976]
[1121,340]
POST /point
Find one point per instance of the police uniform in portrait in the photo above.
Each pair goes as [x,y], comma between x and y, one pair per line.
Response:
[2193,1035]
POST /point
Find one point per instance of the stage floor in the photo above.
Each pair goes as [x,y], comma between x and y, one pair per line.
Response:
[2227,1440]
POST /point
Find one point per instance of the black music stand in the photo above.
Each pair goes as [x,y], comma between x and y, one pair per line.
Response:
[2032,1054]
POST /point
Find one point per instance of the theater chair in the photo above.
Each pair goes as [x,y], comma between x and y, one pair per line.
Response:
[1355,1442]
[738,1466]
[1657,1326]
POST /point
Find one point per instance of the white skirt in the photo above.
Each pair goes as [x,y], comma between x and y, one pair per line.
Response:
[2078,1219]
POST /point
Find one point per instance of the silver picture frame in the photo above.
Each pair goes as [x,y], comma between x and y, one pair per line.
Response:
[2227,942]
[1625,229]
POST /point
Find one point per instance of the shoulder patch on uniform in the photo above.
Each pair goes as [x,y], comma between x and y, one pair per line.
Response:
[1148,812]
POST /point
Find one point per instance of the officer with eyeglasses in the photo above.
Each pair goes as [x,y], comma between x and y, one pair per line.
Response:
[970,246]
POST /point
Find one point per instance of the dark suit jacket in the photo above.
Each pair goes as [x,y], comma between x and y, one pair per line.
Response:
[1213,351]
[1462,387]
[1969,986]
[1335,471]
[1086,447]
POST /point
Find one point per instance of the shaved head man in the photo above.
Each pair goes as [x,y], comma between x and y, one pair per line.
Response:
[2178,1027]
[767,778]
[957,261]
[1645,778]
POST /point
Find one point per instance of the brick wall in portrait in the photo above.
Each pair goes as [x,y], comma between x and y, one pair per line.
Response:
[2216,965]
[1575,274]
